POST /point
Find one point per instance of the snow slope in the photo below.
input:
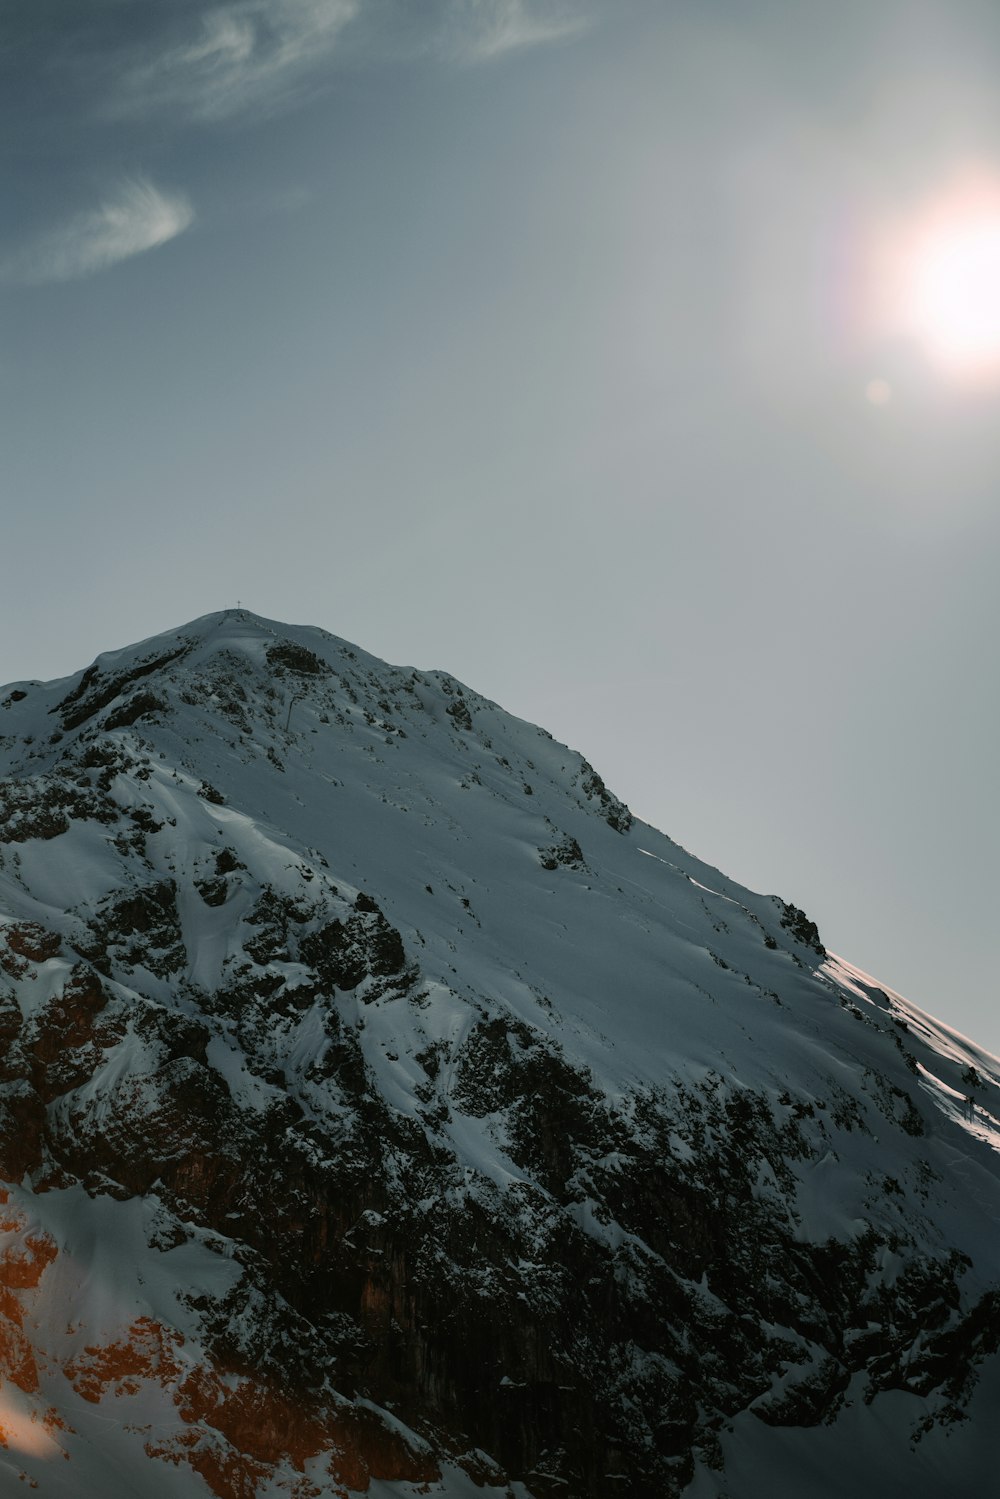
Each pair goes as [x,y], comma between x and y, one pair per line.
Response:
[384,1107]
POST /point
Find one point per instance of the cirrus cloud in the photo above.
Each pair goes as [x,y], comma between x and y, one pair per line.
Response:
[205,64]
[489,29]
[247,54]
[135,218]
[218,61]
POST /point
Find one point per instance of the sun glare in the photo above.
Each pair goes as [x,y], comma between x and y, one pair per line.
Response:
[24,1432]
[948,280]
[956,293]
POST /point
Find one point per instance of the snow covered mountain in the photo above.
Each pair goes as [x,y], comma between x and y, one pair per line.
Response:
[384,1109]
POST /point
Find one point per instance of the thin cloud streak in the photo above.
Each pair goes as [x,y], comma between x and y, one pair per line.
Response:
[138,217]
[250,54]
[490,29]
[262,54]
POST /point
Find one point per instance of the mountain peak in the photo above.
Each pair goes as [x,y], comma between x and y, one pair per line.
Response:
[372,1079]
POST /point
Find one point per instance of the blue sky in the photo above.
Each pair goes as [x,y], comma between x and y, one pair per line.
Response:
[563,345]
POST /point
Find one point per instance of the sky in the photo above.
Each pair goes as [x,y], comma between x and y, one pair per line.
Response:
[636,362]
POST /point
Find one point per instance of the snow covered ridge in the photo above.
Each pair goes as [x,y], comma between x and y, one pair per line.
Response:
[384,1110]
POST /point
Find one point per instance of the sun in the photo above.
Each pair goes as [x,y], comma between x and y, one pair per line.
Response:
[948,279]
[954,294]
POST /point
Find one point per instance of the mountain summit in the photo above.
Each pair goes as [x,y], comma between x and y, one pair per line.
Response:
[384,1109]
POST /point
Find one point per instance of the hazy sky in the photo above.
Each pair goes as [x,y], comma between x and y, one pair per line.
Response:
[635,361]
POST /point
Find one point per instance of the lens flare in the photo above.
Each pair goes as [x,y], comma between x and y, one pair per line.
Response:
[878,392]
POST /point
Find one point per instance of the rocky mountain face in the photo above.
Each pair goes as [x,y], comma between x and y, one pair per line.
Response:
[384,1109]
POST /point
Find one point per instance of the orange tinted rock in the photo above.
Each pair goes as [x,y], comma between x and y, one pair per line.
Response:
[10,1308]
[146,1352]
[239,1435]
[22,1265]
[53,1422]
[365,1448]
[255,1419]
[17,1359]
[230,1475]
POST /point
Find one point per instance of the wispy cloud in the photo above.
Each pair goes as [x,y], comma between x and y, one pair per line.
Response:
[247,54]
[483,30]
[222,60]
[206,62]
[136,218]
